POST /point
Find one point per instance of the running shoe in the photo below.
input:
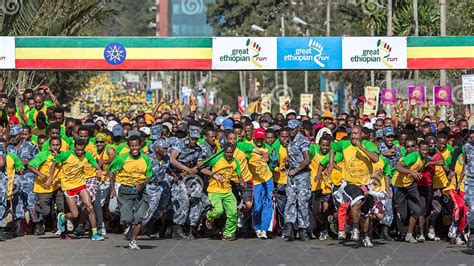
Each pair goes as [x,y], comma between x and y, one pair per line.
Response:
[97,237]
[459,241]
[258,233]
[133,245]
[432,234]
[70,225]
[61,225]
[323,236]
[410,239]
[452,232]
[341,235]
[367,242]
[355,235]
[229,238]
[421,238]
[263,235]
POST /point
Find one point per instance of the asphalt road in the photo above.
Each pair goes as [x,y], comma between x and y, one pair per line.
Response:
[31,250]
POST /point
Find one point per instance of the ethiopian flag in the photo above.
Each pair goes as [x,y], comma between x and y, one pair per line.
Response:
[446,52]
[111,53]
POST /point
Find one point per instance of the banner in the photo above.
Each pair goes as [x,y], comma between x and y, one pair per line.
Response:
[327,101]
[371,104]
[266,103]
[284,104]
[306,104]
[417,93]
[7,52]
[244,53]
[442,95]
[309,53]
[374,52]
[468,89]
[388,96]
[242,101]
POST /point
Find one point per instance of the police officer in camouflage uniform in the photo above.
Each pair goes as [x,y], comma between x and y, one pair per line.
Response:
[469,184]
[298,188]
[3,190]
[188,200]
[209,147]
[159,185]
[23,194]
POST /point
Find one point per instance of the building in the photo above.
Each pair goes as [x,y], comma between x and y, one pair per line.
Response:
[183,18]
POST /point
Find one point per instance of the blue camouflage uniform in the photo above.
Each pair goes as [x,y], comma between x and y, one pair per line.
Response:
[23,194]
[3,187]
[298,187]
[469,182]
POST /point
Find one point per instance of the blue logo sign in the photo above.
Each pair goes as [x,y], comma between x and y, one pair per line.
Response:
[115,53]
[310,53]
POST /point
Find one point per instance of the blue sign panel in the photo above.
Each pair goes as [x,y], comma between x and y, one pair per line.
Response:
[310,53]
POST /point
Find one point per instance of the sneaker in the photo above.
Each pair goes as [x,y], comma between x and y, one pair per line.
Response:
[69,226]
[57,233]
[304,235]
[421,238]
[97,237]
[355,235]
[133,245]
[431,233]
[61,225]
[263,235]
[102,231]
[367,242]
[410,239]
[459,241]
[341,235]
[80,231]
[323,236]
[229,238]
[258,233]
[452,232]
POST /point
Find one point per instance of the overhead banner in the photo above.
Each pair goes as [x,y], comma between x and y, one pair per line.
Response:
[441,52]
[244,53]
[266,104]
[306,104]
[7,52]
[442,95]
[417,94]
[468,89]
[374,52]
[388,96]
[309,53]
[109,53]
[372,100]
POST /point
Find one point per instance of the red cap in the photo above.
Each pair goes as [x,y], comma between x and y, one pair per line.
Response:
[259,133]
[365,118]
[14,119]
[317,127]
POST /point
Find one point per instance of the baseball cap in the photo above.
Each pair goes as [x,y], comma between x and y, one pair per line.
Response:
[219,120]
[379,133]
[194,132]
[182,127]
[100,118]
[117,130]
[328,115]
[146,130]
[292,124]
[259,133]
[132,133]
[228,124]
[156,131]
[290,111]
[388,131]
[255,124]
[16,130]
[168,125]
[161,143]
[111,124]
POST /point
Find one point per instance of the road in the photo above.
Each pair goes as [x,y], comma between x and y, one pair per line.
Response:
[31,250]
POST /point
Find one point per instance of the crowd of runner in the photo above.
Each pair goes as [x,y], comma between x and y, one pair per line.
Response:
[228,175]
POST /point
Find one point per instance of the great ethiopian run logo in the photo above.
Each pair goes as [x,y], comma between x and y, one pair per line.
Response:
[314,52]
[250,53]
[381,53]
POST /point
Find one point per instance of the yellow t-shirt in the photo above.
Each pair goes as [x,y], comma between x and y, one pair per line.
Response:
[322,184]
[458,171]
[440,179]
[104,155]
[278,176]
[259,167]
[72,172]
[130,171]
[228,171]
[336,175]
[413,162]
[378,182]
[43,162]
[244,167]
[12,163]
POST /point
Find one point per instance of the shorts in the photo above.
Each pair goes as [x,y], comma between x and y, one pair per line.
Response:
[246,193]
[354,193]
[91,186]
[133,205]
[74,192]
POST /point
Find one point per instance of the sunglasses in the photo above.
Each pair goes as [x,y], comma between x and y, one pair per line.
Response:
[411,146]
[433,145]
[99,141]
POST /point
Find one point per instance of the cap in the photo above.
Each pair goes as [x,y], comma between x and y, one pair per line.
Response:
[471,129]
[194,132]
[132,133]
[125,120]
[378,134]
[314,121]
[16,130]
[149,119]
[228,124]
[14,119]
[259,133]
[168,125]
[161,143]
[156,131]
[388,131]
[275,127]
[290,111]
[111,124]
[117,130]
[292,124]
[183,127]
[146,130]
[255,124]
[328,115]
[219,120]
[100,118]
[369,125]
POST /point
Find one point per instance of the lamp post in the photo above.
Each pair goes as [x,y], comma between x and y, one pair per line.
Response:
[305,24]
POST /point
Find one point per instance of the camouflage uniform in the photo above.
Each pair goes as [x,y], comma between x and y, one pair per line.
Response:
[23,194]
[298,187]
[188,200]
[469,182]
[3,188]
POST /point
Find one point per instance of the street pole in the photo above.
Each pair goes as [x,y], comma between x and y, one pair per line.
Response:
[442,73]
[306,71]
[415,21]
[285,77]
[388,75]
[372,73]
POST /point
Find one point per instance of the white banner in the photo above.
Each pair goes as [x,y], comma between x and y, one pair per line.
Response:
[244,53]
[374,52]
[7,52]
[468,89]
[306,104]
